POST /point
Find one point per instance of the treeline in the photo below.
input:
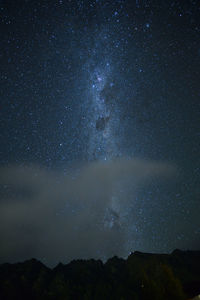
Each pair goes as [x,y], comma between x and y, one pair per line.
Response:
[140,276]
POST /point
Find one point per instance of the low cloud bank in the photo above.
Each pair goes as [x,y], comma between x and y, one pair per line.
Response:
[55,218]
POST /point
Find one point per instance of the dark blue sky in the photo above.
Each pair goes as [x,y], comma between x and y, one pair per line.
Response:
[85,82]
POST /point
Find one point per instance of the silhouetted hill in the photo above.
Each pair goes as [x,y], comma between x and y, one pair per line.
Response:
[140,276]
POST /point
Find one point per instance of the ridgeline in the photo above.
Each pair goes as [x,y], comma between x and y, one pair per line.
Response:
[140,276]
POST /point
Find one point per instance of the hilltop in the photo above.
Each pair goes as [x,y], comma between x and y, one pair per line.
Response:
[140,276]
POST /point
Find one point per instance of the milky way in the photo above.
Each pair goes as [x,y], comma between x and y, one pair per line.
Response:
[100,128]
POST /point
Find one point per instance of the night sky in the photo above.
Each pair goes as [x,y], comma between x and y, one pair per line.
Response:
[100,128]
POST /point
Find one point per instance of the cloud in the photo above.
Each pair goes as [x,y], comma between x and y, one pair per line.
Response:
[55,217]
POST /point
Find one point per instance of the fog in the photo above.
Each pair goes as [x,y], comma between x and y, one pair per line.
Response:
[56,217]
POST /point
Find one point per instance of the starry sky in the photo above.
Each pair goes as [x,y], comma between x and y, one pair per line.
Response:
[100,131]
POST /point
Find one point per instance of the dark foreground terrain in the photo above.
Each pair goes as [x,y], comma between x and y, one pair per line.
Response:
[140,276]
